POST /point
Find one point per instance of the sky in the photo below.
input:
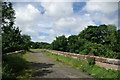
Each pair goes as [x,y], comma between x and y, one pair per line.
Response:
[44,21]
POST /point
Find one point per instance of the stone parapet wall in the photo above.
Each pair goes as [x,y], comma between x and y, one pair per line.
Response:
[107,63]
[20,51]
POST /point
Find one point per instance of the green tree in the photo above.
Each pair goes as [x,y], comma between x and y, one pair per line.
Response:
[40,45]
[60,43]
[10,34]
[35,45]
[72,46]
[12,39]
[26,42]
[8,14]
[113,41]
[44,45]
[97,34]
[75,44]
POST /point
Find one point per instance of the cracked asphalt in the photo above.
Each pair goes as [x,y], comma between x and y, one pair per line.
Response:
[46,68]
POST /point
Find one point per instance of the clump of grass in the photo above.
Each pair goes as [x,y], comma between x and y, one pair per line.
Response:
[91,60]
[7,72]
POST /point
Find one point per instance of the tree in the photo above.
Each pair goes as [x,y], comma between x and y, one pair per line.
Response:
[97,34]
[60,43]
[8,14]
[72,46]
[113,41]
[26,44]
[10,34]
[12,39]
[40,45]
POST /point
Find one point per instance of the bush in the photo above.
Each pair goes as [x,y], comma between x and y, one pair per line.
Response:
[91,60]
[83,53]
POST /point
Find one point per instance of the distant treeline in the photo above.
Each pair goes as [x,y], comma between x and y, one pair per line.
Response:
[102,40]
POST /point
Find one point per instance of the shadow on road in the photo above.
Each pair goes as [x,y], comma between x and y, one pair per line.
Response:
[41,73]
[41,69]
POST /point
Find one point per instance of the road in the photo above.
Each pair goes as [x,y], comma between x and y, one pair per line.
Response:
[46,68]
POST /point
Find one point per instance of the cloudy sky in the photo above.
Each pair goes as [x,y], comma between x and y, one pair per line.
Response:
[43,21]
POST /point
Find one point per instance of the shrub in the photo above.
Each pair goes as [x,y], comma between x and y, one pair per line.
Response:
[83,53]
[91,60]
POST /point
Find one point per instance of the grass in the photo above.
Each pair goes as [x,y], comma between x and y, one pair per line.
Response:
[82,65]
[36,50]
[15,66]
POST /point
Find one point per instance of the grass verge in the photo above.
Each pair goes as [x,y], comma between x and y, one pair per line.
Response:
[15,66]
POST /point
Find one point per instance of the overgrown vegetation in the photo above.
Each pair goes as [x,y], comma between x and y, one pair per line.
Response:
[86,66]
[13,66]
[91,60]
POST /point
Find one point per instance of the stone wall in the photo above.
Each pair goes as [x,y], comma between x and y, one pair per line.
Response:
[20,51]
[107,63]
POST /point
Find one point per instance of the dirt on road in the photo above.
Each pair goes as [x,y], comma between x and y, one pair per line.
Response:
[44,67]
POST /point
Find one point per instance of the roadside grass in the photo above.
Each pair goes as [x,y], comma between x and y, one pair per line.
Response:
[15,66]
[36,50]
[83,65]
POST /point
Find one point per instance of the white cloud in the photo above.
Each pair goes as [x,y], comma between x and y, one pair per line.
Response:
[59,19]
[104,7]
[42,37]
[26,15]
[104,12]
[57,10]
[73,24]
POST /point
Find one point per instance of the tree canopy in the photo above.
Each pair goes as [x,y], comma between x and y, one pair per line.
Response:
[102,40]
[12,39]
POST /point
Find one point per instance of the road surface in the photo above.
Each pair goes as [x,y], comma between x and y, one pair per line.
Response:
[44,67]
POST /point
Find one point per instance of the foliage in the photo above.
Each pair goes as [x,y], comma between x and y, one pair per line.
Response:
[7,72]
[102,40]
[60,43]
[96,34]
[113,41]
[12,39]
[72,43]
[91,60]
[75,44]
[26,42]
[40,45]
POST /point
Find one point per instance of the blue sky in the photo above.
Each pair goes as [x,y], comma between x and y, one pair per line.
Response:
[44,21]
